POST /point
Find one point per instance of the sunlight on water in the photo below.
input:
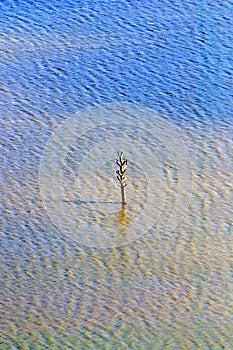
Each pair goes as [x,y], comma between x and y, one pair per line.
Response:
[163,283]
[78,84]
[83,208]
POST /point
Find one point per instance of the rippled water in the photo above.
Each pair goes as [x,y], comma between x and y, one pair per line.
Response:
[151,286]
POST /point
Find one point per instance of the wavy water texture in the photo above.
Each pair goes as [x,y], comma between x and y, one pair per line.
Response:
[165,289]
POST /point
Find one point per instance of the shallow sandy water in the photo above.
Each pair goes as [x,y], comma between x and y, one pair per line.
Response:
[163,289]
[175,287]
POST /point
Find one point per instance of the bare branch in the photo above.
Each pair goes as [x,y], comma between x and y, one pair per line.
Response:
[122,163]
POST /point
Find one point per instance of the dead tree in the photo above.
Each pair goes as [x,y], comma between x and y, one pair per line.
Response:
[122,163]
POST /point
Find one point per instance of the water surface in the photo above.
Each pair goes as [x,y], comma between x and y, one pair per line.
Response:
[165,289]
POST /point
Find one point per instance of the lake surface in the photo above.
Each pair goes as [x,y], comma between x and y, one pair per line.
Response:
[80,81]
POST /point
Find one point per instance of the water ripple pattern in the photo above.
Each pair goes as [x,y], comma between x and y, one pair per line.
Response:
[85,204]
[166,288]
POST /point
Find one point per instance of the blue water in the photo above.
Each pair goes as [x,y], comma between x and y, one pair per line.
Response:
[60,57]
[174,57]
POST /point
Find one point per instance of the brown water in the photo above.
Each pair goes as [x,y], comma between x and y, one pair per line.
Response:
[77,272]
[162,289]
[78,175]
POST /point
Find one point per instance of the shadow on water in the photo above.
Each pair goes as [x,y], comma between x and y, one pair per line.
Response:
[82,202]
[91,202]
[121,218]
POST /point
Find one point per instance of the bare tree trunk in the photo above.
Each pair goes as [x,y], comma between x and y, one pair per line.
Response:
[123,195]
[122,163]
